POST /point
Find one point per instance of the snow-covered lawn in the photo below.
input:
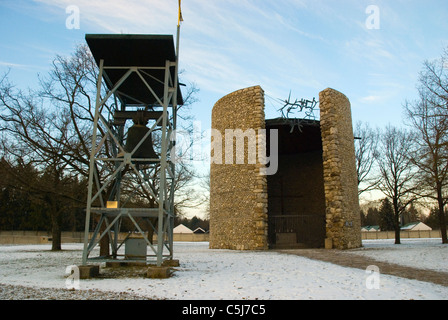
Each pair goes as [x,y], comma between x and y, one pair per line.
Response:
[428,254]
[225,274]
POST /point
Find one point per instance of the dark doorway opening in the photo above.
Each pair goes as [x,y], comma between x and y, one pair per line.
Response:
[296,199]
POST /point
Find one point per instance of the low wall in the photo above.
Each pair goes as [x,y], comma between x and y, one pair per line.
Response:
[38,237]
[403,234]
[193,237]
[42,237]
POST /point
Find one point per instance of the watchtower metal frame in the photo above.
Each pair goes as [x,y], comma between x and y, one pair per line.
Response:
[140,74]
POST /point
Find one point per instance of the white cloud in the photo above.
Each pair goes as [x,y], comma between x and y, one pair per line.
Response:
[27,67]
[299,45]
[10,64]
[370,99]
[130,16]
[373,51]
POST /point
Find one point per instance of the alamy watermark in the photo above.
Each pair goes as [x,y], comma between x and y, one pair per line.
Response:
[72,281]
[233,146]
[373,18]
[445,64]
[73,19]
[373,277]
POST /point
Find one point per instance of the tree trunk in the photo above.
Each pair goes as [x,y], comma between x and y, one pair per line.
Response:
[55,222]
[397,234]
[104,242]
[104,246]
[55,232]
[396,222]
[442,221]
[442,225]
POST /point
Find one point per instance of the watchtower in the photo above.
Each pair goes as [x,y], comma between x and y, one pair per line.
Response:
[138,81]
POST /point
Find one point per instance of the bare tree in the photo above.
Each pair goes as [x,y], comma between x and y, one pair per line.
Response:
[37,136]
[52,127]
[366,149]
[397,171]
[428,116]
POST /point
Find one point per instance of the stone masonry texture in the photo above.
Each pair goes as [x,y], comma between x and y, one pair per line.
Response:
[343,225]
[239,193]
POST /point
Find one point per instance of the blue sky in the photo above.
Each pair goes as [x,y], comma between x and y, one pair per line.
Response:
[302,46]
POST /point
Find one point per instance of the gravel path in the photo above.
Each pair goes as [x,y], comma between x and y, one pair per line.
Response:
[347,259]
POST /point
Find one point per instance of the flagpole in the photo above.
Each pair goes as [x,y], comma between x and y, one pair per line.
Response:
[174,104]
[176,74]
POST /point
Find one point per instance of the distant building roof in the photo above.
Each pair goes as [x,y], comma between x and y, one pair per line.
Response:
[370,228]
[199,230]
[182,229]
[413,226]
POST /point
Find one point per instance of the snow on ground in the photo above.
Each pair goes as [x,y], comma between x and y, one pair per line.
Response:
[226,274]
[418,253]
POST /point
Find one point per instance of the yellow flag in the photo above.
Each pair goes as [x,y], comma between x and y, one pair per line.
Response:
[180,15]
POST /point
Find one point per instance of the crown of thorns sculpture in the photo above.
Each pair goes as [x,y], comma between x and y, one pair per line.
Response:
[303,105]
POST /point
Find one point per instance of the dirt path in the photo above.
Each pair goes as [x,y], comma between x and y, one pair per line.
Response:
[346,259]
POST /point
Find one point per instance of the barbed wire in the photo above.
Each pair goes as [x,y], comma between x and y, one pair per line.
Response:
[290,110]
